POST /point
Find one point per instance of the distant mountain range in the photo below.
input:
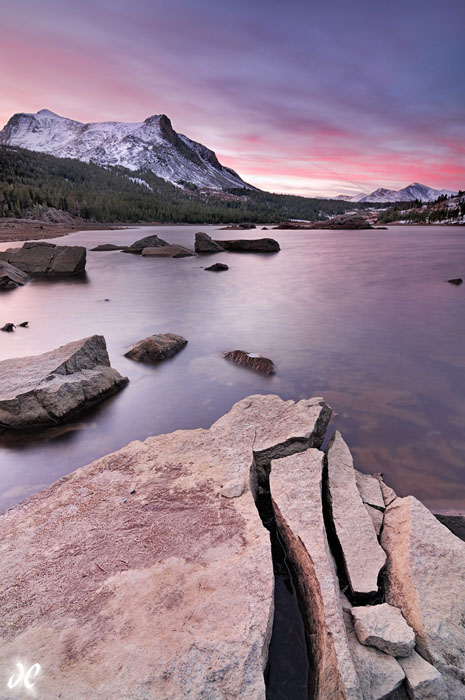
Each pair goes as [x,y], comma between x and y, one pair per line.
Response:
[407,194]
[149,145]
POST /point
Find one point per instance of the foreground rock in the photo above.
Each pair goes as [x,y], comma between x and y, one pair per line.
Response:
[384,627]
[217,267]
[363,556]
[424,682]
[40,258]
[251,360]
[379,674]
[296,492]
[257,245]
[47,389]
[205,244]
[167,251]
[156,347]
[11,277]
[147,242]
[166,596]
[425,574]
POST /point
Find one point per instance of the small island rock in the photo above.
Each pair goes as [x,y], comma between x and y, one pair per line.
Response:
[156,347]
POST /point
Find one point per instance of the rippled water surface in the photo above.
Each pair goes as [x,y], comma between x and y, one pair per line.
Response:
[363,318]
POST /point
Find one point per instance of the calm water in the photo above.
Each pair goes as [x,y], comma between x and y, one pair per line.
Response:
[363,318]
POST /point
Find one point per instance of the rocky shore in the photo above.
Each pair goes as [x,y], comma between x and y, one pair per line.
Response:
[149,573]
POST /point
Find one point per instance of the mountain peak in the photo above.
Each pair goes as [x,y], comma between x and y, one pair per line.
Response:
[48,113]
[149,145]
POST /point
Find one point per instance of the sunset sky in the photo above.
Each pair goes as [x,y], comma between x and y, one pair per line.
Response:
[328,97]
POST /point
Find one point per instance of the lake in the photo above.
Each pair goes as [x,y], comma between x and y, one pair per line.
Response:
[363,318]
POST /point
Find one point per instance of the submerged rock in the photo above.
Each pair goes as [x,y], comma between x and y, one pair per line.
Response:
[138,246]
[156,347]
[167,251]
[40,258]
[363,556]
[8,328]
[11,277]
[251,360]
[47,389]
[425,575]
[168,596]
[384,627]
[217,267]
[205,244]
[257,245]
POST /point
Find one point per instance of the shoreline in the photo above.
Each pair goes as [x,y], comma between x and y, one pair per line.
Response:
[17,230]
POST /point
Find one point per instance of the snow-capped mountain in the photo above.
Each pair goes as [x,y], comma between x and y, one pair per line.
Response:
[152,145]
[408,194]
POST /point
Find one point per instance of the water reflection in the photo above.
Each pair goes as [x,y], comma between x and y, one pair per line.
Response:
[362,318]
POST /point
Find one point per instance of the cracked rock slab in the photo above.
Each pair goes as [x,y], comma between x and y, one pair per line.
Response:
[380,675]
[425,579]
[133,577]
[363,556]
[384,627]
[42,258]
[47,389]
[296,492]
[370,489]
[423,680]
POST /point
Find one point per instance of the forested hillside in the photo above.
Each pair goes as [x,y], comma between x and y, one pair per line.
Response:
[110,194]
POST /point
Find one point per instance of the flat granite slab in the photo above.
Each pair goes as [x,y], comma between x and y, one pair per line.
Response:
[148,573]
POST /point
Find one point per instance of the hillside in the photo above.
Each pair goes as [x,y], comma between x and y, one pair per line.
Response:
[114,194]
[445,210]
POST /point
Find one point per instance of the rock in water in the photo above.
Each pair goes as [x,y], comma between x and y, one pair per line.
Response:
[384,627]
[361,551]
[147,242]
[47,389]
[425,579]
[168,596]
[168,251]
[205,244]
[40,258]
[424,682]
[8,328]
[258,245]
[217,267]
[251,360]
[108,246]
[11,277]
[156,347]
[457,281]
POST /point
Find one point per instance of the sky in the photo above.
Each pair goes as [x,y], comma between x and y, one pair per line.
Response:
[315,98]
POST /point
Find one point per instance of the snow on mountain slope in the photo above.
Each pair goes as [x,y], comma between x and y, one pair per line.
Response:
[408,194]
[152,144]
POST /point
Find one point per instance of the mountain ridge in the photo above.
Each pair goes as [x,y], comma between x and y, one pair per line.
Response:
[152,145]
[410,193]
